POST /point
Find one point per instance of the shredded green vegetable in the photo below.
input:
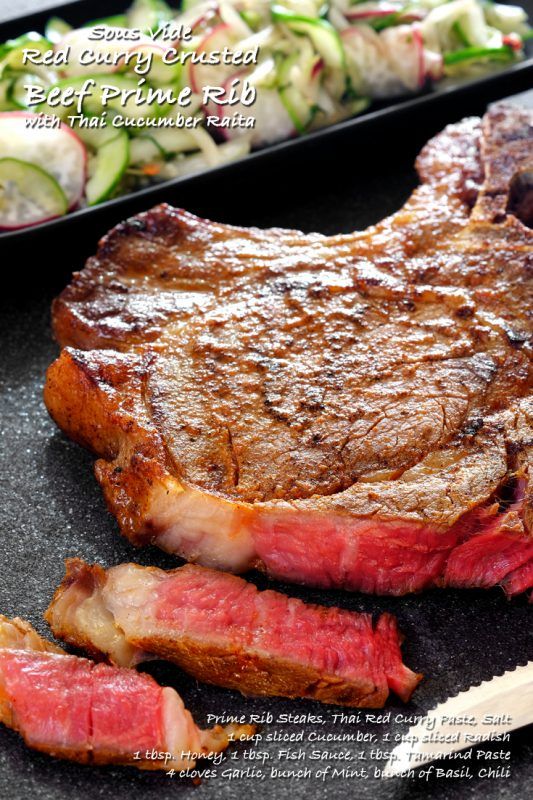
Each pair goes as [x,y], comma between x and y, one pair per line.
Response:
[479,54]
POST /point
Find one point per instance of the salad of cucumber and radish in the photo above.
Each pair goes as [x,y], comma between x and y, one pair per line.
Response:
[311,63]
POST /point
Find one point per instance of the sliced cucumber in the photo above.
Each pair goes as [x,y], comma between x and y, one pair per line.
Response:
[357,105]
[148,14]
[174,140]
[28,194]
[323,35]
[55,29]
[6,103]
[107,169]
[13,57]
[145,150]
[17,90]
[252,18]
[58,151]
[95,137]
[381,23]
[298,108]
[462,38]
[186,5]
[93,104]
[14,48]
[163,75]
[508,19]
[160,74]
[199,162]
[479,54]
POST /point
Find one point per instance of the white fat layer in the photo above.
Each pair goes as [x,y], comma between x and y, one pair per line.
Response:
[185,741]
[127,593]
[94,620]
[16,634]
[80,615]
[181,734]
[201,527]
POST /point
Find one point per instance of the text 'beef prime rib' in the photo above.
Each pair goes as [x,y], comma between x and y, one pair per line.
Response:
[349,411]
[222,630]
[72,708]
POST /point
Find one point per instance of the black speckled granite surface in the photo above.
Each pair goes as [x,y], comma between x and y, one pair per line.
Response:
[51,507]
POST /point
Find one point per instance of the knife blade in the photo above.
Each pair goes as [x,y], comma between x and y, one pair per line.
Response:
[480,714]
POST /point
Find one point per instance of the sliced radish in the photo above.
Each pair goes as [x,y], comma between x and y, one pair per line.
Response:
[232,18]
[513,40]
[383,9]
[58,151]
[28,195]
[368,10]
[272,120]
[201,75]
[405,52]
[430,63]
[201,15]
[419,42]
[317,69]
[369,68]
[434,65]
[219,110]
[413,15]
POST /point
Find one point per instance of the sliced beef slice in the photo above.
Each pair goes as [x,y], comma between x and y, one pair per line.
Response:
[72,708]
[222,630]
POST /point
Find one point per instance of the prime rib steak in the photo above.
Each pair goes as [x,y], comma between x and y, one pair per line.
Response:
[352,411]
[72,708]
[222,630]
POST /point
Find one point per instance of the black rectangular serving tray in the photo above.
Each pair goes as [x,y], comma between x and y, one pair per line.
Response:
[390,115]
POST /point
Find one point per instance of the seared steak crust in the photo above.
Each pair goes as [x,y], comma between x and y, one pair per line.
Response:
[248,387]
